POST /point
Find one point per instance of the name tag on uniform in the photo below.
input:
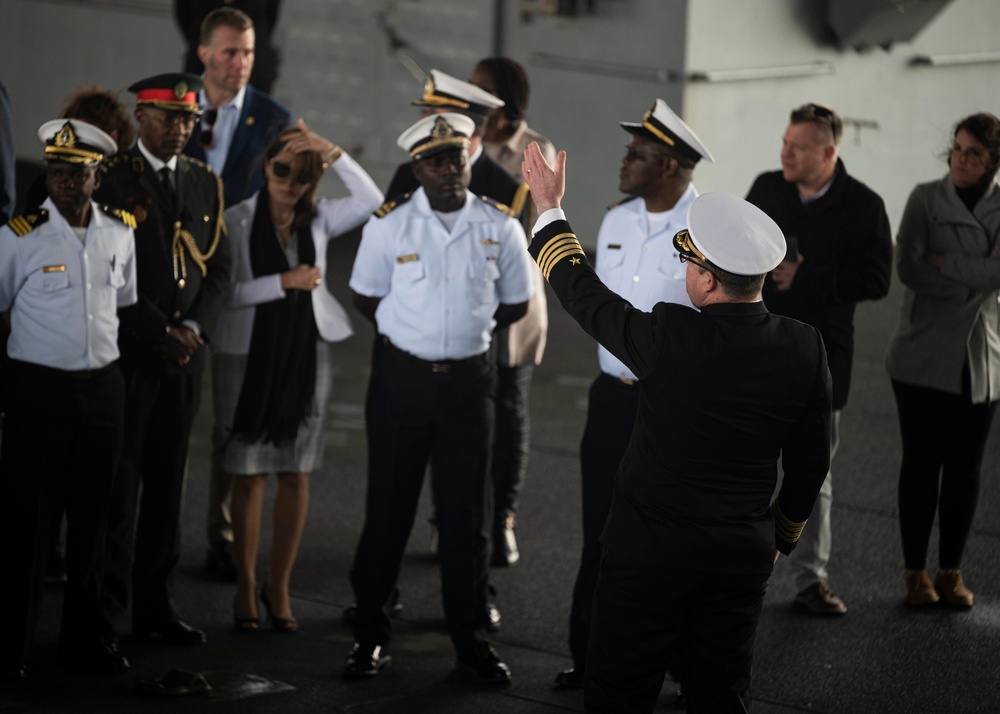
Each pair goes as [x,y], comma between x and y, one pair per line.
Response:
[614,246]
[409,258]
[489,241]
[54,269]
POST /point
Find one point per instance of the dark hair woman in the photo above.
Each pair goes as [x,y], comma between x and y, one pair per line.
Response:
[272,375]
[944,357]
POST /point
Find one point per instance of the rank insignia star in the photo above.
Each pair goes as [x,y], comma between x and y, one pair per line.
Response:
[574,261]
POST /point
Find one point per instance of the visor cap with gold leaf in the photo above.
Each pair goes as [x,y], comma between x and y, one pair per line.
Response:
[444,91]
[729,233]
[174,92]
[436,133]
[75,142]
[662,125]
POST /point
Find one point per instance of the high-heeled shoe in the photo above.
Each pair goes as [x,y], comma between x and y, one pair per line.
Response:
[245,625]
[278,624]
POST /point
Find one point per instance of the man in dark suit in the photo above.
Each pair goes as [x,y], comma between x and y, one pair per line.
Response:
[238,121]
[693,535]
[238,125]
[183,260]
[264,14]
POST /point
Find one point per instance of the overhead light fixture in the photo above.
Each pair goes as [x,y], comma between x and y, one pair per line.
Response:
[953,60]
[756,73]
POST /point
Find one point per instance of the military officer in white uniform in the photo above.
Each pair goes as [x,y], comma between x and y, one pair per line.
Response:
[64,272]
[437,273]
[636,258]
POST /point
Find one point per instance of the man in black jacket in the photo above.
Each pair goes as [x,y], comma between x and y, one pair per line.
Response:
[840,252]
[182,259]
[692,535]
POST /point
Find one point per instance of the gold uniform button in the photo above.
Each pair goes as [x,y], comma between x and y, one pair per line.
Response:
[206,219]
[177,314]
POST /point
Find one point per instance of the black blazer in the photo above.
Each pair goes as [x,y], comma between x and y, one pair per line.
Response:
[164,299]
[846,244]
[724,393]
[261,120]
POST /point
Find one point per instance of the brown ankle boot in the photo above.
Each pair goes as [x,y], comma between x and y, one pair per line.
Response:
[952,588]
[919,589]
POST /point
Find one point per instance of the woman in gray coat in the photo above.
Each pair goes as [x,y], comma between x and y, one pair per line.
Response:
[944,357]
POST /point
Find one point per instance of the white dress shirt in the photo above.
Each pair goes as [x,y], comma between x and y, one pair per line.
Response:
[64,295]
[439,289]
[226,121]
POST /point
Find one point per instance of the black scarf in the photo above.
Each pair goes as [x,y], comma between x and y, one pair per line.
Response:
[280,378]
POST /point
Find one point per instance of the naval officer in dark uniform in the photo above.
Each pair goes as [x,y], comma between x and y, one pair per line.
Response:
[183,264]
[693,533]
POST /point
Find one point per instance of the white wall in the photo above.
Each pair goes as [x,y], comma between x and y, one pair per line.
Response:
[915,107]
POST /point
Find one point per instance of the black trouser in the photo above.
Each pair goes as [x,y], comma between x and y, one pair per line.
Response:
[62,438]
[611,410]
[643,613]
[944,437]
[159,411]
[511,439]
[415,416]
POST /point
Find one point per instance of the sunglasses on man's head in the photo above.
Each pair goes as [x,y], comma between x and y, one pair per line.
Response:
[207,137]
[282,171]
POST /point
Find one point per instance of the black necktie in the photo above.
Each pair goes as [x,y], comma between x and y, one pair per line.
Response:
[168,184]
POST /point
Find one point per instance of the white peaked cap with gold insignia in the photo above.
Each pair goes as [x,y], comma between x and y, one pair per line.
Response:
[75,142]
[662,125]
[732,234]
[443,90]
[436,133]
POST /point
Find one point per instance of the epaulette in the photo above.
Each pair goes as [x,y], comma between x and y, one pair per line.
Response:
[502,207]
[190,160]
[124,216]
[23,225]
[389,206]
[520,199]
[616,204]
[112,161]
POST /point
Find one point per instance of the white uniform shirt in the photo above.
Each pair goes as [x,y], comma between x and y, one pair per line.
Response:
[334,217]
[64,295]
[640,266]
[439,289]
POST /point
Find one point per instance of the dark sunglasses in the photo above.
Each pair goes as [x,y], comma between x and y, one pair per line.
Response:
[282,170]
[207,137]
[822,113]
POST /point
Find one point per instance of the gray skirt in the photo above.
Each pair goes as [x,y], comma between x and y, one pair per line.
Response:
[304,455]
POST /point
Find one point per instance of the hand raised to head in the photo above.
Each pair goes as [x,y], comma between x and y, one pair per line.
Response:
[547,184]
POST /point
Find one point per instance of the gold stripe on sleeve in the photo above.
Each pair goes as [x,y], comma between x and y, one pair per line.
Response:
[786,529]
[557,248]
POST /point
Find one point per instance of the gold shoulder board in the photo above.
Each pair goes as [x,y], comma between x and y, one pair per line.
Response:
[621,201]
[23,225]
[389,206]
[124,216]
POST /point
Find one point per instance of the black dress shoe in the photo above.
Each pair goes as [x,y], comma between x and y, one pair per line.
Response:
[219,563]
[98,659]
[175,632]
[493,625]
[571,678]
[483,665]
[505,553]
[365,661]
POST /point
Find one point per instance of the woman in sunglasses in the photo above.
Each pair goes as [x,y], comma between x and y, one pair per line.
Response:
[272,374]
[944,358]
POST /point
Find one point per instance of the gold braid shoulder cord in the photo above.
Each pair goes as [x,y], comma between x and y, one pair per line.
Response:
[183,239]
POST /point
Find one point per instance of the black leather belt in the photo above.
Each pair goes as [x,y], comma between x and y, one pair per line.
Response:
[63,373]
[443,366]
